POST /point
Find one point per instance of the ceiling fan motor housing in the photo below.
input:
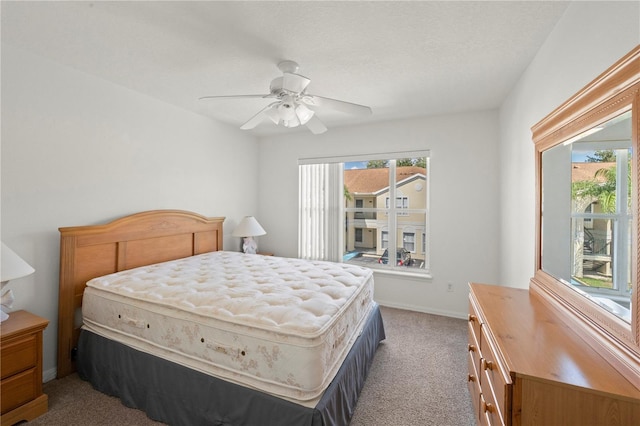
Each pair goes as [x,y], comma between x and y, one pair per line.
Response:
[276,87]
[288,66]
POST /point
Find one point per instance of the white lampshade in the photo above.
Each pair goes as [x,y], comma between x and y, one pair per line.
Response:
[248,227]
[304,114]
[287,111]
[13,267]
[273,114]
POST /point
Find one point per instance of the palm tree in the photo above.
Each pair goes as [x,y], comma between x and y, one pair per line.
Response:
[347,194]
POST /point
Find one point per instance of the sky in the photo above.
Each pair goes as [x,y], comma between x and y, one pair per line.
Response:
[355,165]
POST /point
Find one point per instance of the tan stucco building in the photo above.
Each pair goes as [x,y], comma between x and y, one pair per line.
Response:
[369,189]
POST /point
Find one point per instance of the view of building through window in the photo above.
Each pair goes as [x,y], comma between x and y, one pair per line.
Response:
[372,221]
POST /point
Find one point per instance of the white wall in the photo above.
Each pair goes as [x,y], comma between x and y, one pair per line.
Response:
[77,150]
[589,38]
[464,200]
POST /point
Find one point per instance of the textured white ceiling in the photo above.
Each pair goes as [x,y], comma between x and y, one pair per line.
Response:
[403,59]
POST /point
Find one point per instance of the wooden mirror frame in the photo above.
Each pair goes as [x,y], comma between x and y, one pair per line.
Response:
[613,92]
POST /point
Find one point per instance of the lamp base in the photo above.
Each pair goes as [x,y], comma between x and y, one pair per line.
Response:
[6,301]
[249,245]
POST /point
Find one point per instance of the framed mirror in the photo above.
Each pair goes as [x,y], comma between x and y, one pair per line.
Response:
[587,228]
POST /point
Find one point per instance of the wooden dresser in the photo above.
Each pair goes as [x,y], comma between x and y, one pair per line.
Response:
[528,367]
[21,364]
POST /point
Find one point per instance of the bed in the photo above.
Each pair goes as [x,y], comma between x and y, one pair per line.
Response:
[153,311]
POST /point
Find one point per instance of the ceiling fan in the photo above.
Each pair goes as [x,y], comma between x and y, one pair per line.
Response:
[292,105]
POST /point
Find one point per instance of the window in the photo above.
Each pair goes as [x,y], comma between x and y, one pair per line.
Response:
[359,205]
[409,241]
[367,225]
[401,203]
[601,220]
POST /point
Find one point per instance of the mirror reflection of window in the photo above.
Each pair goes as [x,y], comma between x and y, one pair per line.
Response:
[590,246]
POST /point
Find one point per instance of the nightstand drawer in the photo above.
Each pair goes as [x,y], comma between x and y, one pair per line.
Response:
[21,397]
[18,355]
[18,389]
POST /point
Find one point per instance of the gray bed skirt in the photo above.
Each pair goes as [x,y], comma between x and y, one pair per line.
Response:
[177,395]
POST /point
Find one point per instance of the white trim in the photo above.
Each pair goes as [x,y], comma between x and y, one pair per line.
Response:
[402,271]
[364,157]
[49,375]
[415,308]
[313,225]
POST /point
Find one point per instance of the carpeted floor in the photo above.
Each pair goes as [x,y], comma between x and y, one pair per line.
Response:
[418,377]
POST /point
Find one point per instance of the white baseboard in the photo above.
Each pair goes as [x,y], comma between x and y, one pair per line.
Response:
[422,309]
[49,375]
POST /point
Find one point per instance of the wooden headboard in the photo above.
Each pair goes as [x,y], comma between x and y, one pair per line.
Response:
[140,239]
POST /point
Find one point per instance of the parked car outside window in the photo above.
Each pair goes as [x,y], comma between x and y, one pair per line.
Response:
[403,256]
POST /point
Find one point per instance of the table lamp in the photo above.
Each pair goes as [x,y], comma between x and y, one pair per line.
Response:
[247,229]
[13,267]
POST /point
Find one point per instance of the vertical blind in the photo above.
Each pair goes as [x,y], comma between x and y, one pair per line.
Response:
[320,209]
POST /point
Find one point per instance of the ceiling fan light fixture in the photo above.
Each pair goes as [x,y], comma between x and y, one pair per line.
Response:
[287,111]
[303,113]
[293,122]
[273,114]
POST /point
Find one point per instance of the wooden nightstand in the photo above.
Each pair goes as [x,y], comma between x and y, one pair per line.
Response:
[21,396]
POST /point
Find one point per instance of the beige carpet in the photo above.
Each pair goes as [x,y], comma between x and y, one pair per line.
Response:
[418,378]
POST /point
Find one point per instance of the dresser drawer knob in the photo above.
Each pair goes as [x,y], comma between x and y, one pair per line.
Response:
[471,348]
[488,365]
[471,378]
[488,407]
[473,318]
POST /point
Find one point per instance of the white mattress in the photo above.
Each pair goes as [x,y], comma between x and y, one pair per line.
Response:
[283,326]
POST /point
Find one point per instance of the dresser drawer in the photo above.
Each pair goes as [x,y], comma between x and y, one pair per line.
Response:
[489,415]
[473,383]
[473,343]
[495,382]
[18,354]
[18,389]
[475,320]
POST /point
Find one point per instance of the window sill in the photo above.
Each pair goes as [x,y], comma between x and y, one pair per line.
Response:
[400,273]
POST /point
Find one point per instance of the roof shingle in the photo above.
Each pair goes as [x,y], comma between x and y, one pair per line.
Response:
[369,181]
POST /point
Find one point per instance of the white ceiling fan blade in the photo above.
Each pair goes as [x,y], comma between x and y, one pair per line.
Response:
[316,126]
[342,106]
[235,97]
[294,82]
[256,119]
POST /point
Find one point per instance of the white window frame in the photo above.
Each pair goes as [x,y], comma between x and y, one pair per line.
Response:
[337,214]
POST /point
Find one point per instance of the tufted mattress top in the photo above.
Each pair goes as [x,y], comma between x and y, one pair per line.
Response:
[279,325]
